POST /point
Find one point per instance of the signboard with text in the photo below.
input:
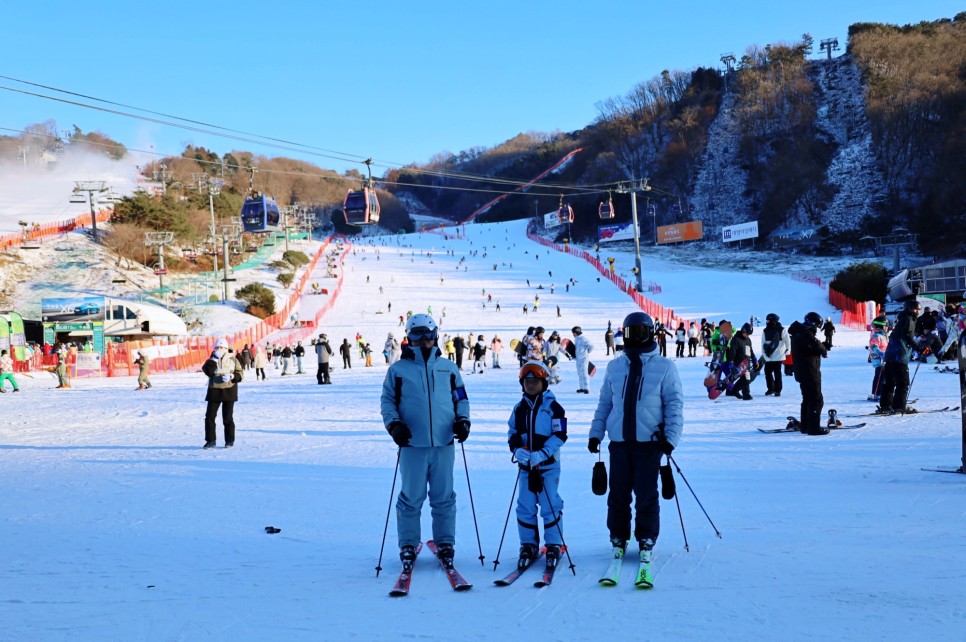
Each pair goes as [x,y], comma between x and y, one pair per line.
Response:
[693,231]
[739,232]
[615,232]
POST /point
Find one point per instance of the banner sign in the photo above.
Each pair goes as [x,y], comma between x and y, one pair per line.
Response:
[162,352]
[693,231]
[615,232]
[72,309]
[739,232]
[554,218]
[88,364]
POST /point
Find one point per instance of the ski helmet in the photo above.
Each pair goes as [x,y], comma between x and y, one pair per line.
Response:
[535,370]
[421,326]
[879,321]
[747,329]
[910,305]
[771,318]
[813,320]
[576,330]
[638,329]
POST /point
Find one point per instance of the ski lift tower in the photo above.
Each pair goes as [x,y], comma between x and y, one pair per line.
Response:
[228,232]
[632,189]
[160,239]
[729,62]
[900,238]
[829,45]
[91,187]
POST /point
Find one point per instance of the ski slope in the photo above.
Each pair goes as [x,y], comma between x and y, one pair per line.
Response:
[117,525]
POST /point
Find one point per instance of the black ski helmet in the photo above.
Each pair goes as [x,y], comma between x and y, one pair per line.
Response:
[772,318]
[910,305]
[813,320]
[748,329]
[638,329]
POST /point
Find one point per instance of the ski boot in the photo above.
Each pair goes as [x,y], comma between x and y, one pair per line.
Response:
[553,555]
[833,419]
[528,553]
[407,555]
[793,424]
[445,553]
[618,543]
[644,578]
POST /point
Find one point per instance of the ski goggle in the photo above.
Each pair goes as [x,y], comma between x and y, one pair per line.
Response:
[533,371]
[416,335]
[638,333]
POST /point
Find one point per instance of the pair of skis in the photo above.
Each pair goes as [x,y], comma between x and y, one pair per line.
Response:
[401,587]
[795,426]
[644,579]
[545,580]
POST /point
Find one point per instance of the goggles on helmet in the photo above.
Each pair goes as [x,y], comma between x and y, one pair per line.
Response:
[637,333]
[533,371]
[415,335]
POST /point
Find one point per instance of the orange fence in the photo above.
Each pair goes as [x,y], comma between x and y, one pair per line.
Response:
[50,230]
[655,310]
[854,313]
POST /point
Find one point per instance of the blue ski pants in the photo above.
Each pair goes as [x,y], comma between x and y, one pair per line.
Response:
[549,503]
[422,469]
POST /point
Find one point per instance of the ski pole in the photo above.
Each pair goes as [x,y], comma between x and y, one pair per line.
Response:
[516,482]
[388,510]
[909,391]
[556,520]
[693,494]
[681,517]
[472,506]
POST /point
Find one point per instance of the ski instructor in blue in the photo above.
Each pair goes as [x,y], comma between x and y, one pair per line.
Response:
[424,408]
[641,409]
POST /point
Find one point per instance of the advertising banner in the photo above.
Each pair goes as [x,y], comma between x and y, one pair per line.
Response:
[740,232]
[18,337]
[4,333]
[88,364]
[554,218]
[615,232]
[693,231]
[72,309]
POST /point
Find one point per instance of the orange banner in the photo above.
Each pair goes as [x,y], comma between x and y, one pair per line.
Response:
[692,231]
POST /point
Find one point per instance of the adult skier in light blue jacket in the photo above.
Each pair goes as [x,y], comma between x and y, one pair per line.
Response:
[424,407]
[641,410]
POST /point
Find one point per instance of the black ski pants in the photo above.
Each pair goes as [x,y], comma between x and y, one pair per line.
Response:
[322,376]
[634,469]
[812,404]
[773,376]
[894,391]
[227,418]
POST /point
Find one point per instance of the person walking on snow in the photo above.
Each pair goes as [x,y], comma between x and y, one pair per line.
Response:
[582,350]
[261,360]
[224,373]
[6,372]
[424,408]
[807,355]
[323,352]
[346,351]
[496,346]
[144,365]
[878,343]
[775,346]
[895,373]
[644,417]
[538,428]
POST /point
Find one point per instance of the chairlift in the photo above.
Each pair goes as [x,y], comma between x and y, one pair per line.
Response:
[606,208]
[361,207]
[78,197]
[565,214]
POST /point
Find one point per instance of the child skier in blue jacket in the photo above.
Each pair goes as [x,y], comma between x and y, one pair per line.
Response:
[538,428]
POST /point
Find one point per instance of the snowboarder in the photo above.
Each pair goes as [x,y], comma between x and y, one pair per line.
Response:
[807,353]
[425,439]
[644,418]
[538,428]
[582,350]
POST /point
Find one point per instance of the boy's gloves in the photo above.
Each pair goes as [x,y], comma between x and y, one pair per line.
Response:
[522,456]
[516,441]
[538,458]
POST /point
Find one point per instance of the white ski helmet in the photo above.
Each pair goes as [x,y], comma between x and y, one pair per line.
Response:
[421,326]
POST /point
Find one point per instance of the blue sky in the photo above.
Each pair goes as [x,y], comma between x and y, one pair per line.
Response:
[399,82]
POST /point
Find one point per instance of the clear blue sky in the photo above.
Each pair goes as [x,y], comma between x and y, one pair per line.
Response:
[398,81]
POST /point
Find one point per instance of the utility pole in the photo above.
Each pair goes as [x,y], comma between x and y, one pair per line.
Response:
[729,62]
[23,149]
[633,189]
[214,189]
[91,187]
[228,232]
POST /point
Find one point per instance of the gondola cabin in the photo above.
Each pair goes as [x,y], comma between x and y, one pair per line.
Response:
[361,207]
[260,214]
[565,214]
[606,209]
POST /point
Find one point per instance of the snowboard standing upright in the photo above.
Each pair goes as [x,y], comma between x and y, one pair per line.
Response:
[571,349]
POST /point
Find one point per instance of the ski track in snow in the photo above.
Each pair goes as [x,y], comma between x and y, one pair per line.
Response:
[116,524]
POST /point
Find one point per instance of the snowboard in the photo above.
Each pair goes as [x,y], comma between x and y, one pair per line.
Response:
[571,349]
[518,347]
[726,383]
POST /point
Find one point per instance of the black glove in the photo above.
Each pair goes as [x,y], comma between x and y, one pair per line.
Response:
[461,429]
[593,445]
[664,445]
[400,433]
[516,441]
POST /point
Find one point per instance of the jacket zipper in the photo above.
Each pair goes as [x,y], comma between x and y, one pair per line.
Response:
[429,398]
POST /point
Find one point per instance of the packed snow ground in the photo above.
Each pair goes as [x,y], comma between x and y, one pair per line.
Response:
[117,525]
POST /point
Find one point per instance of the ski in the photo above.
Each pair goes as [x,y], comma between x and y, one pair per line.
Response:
[517,572]
[946,469]
[455,579]
[550,569]
[614,570]
[917,412]
[401,587]
[644,578]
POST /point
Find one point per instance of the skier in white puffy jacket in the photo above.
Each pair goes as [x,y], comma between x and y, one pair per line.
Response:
[643,416]
[424,406]
[582,350]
